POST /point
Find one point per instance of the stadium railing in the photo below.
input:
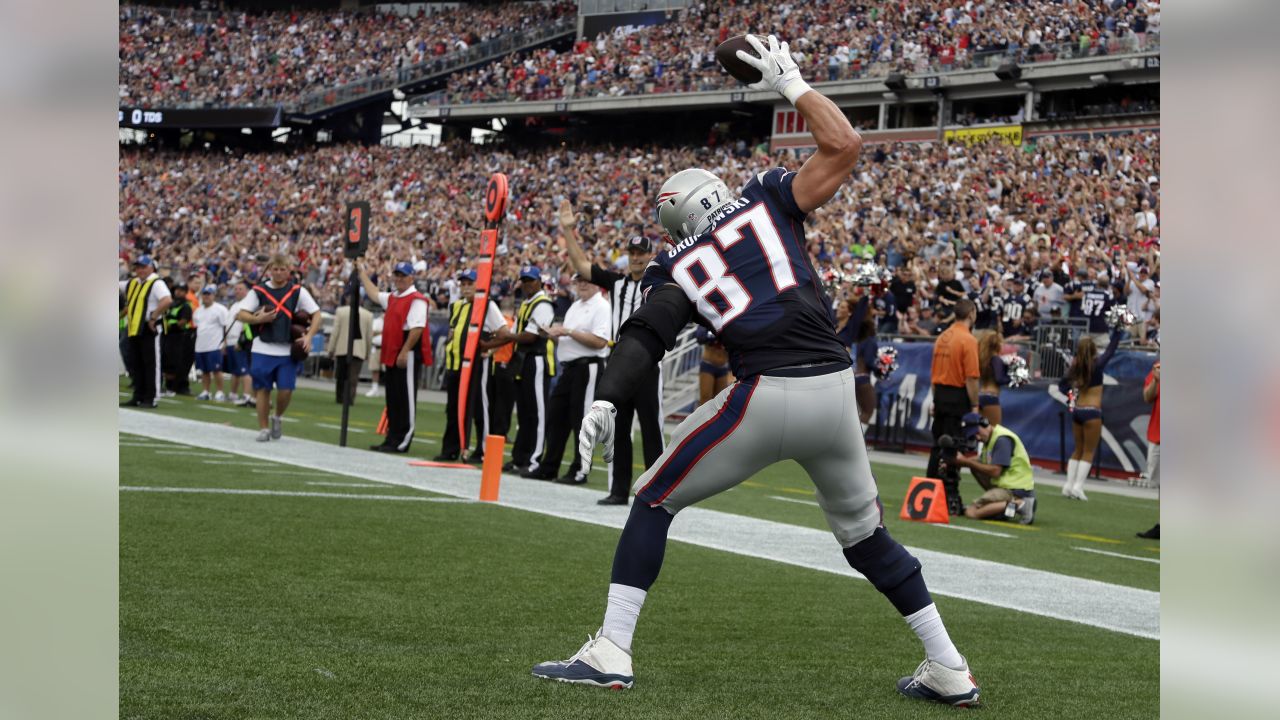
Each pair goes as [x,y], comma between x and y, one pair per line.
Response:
[825,73]
[420,72]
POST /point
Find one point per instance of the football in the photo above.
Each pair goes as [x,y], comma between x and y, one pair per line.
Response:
[726,55]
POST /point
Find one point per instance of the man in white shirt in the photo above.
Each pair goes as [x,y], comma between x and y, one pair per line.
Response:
[271,306]
[1049,296]
[239,338]
[147,299]
[211,331]
[584,342]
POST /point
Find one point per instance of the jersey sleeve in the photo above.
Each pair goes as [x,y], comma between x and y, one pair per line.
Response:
[417,317]
[306,303]
[541,317]
[492,317]
[776,183]
[604,278]
[655,276]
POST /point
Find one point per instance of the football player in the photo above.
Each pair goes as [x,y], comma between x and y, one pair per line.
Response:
[738,265]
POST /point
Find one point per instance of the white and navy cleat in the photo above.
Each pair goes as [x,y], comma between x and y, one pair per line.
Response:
[939,683]
[599,662]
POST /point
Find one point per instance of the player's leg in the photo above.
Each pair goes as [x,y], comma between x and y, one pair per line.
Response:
[719,445]
[1091,432]
[823,437]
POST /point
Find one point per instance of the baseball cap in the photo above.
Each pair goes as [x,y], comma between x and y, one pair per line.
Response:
[1018,279]
[209,290]
[467,275]
[530,272]
[640,243]
[144,260]
[970,423]
[1153,179]
[403,268]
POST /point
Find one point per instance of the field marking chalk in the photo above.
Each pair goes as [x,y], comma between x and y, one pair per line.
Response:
[1113,607]
[287,493]
[1091,538]
[793,500]
[993,533]
[1112,554]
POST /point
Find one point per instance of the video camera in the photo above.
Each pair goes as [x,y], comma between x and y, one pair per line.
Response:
[949,448]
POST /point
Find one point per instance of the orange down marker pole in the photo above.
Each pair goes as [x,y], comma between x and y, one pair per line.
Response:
[491,472]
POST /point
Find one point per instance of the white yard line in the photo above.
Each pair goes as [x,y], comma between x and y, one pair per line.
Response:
[1115,554]
[250,463]
[797,501]
[1119,608]
[338,484]
[288,493]
[194,453]
[339,427]
[217,409]
[993,533]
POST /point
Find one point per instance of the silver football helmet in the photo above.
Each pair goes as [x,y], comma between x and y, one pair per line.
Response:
[688,199]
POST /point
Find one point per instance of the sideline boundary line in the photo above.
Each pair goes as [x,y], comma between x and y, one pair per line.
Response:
[1118,608]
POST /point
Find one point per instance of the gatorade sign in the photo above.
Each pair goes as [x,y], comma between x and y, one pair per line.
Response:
[926,501]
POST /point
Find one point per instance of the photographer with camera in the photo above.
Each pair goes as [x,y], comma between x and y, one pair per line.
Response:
[1002,467]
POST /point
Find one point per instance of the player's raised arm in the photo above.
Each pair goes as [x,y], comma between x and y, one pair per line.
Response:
[839,145]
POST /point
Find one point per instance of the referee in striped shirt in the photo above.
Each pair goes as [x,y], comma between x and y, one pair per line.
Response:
[624,298]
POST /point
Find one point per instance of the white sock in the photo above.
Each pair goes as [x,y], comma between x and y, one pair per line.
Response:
[938,647]
[1083,474]
[622,613]
[1067,486]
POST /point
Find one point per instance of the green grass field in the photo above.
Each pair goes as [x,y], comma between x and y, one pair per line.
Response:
[237,606]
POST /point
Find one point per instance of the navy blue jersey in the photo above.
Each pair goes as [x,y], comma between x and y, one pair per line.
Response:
[1011,306]
[1094,305]
[1071,288]
[751,282]
[986,313]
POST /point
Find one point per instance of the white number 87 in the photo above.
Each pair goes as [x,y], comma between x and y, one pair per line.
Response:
[718,279]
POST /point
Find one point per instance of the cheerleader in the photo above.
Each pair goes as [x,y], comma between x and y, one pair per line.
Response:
[714,374]
[1084,377]
[993,374]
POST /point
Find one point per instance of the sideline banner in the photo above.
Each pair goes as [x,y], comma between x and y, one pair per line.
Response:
[1008,134]
[1037,412]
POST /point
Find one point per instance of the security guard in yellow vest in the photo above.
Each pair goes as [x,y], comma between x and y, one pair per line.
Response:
[1003,469]
[536,360]
[147,299]
[451,445]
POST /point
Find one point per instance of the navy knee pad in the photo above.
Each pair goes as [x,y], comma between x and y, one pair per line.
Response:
[891,569]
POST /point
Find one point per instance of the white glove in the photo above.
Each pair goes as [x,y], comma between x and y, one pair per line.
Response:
[597,429]
[777,69]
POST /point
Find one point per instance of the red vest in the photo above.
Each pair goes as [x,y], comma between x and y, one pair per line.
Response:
[393,329]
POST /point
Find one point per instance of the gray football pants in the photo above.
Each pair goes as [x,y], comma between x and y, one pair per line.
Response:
[755,423]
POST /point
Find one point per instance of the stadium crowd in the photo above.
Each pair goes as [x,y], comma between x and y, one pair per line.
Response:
[235,58]
[1069,205]
[229,58]
[835,40]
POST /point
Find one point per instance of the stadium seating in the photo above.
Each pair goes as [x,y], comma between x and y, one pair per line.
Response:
[224,212]
[189,57]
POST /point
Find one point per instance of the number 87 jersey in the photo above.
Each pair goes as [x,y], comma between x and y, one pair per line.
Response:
[750,278]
